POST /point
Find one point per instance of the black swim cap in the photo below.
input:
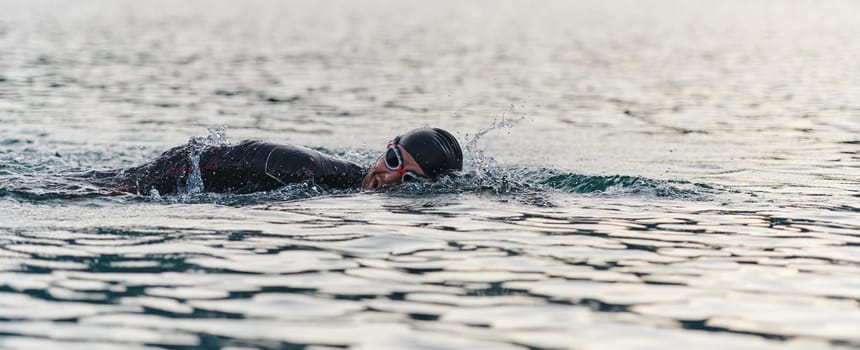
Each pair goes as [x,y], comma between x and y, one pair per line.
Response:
[436,151]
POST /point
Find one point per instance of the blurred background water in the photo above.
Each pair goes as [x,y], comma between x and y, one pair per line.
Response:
[642,174]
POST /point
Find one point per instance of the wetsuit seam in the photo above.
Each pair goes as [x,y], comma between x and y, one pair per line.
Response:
[266,167]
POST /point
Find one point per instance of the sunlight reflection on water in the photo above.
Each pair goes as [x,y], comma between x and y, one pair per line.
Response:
[478,272]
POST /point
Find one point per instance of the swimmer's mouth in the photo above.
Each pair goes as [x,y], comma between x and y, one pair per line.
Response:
[374,182]
[370,182]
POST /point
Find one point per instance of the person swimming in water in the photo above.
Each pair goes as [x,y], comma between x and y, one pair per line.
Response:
[254,166]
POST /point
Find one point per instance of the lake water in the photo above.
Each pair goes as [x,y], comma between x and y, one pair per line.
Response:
[640,175]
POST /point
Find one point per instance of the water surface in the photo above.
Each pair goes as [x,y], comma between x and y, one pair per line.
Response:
[639,175]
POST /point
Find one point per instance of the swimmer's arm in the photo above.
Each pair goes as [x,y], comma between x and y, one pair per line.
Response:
[257,165]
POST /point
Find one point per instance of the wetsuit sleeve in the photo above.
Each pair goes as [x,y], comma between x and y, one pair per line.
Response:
[253,166]
[165,174]
[249,166]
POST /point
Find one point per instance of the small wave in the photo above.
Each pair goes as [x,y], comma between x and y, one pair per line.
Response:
[39,190]
[290,192]
[627,185]
[521,181]
[529,186]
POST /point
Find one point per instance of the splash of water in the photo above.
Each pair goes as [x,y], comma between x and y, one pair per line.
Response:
[484,168]
[197,145]
[217,137]
[502,122]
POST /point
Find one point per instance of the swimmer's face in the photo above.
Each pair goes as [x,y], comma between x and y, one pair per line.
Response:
[380,176]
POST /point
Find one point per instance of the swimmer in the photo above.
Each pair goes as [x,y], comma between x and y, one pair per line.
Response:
[253,166]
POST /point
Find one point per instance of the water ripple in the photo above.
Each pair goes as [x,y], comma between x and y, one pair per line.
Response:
[482,275]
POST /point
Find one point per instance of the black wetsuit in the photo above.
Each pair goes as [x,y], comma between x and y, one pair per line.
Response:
[249,166]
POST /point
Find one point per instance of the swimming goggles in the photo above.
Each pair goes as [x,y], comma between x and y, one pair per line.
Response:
[394,161]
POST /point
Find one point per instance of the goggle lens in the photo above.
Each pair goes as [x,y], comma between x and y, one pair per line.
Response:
[392,158]
[394,161]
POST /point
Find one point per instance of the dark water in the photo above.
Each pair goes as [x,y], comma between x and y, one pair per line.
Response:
[639,175]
